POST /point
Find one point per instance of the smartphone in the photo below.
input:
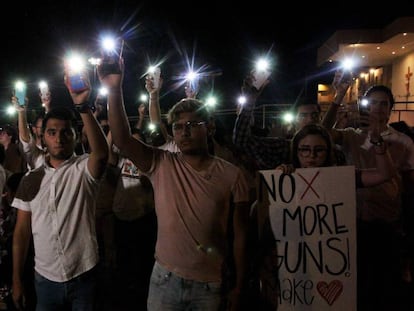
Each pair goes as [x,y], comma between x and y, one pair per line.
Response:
[110,61]
[44,91]
[20,92]
[78,82]
[363,108]
[154,73]
[260,77]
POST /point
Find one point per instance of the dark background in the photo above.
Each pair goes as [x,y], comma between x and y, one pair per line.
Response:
[224,38]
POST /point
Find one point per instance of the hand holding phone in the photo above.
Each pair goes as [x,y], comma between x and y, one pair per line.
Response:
[44,92]
[154,74]
[260,76]
[76,75]
[110,60]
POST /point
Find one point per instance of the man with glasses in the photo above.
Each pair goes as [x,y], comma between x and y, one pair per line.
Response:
[270,152]
[201,206]
[379,207]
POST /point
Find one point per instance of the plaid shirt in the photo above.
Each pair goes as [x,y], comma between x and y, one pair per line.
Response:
[268,152]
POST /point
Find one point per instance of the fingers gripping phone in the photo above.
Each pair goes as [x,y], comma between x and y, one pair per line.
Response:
[260,77]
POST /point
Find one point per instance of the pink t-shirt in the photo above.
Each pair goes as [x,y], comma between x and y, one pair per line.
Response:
[192,210]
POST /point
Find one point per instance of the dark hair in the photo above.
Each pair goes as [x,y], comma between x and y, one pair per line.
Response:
[312,129]
[305,103]
[383,89]
[189,105]
[11,131]
[38,117]
[60,113]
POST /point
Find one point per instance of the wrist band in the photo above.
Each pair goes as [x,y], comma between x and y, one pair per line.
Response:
[85,107]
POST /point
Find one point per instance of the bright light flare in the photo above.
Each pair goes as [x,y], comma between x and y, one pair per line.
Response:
[143,98]
[288,117]
[152,69]
[348,64]
[364,102]
[103,91]
[11,110]
[242,100]
[20,86]
[262,64]
[191,76]
[94,61]
[43,87]
[152,127]
[211,101]
[75,63]
[109,44]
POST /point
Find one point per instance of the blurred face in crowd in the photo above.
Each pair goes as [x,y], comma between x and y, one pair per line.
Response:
[312,151]
[37,128]
[379,107]
[307,114]
[5,139]
[190,133]
[59,138]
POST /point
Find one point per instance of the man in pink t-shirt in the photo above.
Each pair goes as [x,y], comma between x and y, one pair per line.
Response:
[201,202]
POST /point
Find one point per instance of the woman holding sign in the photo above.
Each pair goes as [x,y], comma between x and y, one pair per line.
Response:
[312,147]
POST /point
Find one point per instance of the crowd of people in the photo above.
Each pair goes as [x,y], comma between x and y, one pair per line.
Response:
[172,219]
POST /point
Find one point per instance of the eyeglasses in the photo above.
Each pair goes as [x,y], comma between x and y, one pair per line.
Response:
[306,152]
[189,125]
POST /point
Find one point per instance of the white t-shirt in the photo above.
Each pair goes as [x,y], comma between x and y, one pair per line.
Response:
[62,203]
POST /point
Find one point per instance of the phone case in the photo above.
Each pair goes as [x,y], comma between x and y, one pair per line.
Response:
[78,82]
[20,93]
[156,77]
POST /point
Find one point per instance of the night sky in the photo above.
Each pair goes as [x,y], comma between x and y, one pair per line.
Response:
[223,40]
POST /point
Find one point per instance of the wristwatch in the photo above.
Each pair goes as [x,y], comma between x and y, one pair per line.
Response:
[84,107]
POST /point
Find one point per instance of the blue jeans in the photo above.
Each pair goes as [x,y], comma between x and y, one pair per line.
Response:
[168,292]
[77,294]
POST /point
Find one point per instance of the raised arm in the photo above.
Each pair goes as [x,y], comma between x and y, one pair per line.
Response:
[268,152]
[98,147]
[340,83]
[139,153]
[154,106]
[23,126]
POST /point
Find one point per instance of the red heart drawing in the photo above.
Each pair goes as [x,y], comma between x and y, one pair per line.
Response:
[330,292]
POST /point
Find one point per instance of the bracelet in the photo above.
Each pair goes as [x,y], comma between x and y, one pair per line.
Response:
[85,107]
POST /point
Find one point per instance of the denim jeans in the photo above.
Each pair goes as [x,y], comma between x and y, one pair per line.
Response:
[169,292]
[77,294]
